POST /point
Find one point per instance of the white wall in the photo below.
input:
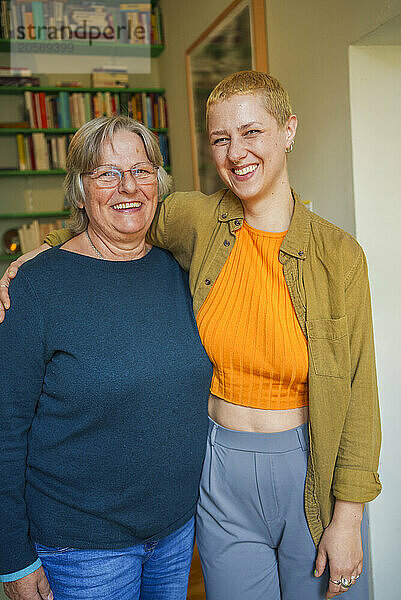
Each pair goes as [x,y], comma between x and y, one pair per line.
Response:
[308,51]
[375,77]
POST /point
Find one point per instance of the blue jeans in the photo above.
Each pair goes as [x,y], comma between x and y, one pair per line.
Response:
[151,571]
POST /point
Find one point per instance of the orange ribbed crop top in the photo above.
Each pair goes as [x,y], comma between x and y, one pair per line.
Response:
[250,330]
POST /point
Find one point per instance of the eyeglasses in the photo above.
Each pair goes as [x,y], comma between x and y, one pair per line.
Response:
[107,176]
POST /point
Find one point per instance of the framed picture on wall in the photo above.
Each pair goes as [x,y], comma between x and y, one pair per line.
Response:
[235,41]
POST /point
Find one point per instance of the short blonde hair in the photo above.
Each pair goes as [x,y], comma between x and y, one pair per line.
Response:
[84,154]
[276,99]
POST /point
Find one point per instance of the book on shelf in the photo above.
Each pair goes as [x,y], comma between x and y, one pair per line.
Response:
[32,235]
[15,72]
[136,19]
[164,148]
[19,81]
[41,152]
[147,107]
[22,157]
[69,83]
[132,22]
[73,109]
[109,79]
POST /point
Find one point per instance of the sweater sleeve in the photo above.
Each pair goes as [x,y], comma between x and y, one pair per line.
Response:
[355,476]
[22,367]
[158,231]
[22,572]
[58,236]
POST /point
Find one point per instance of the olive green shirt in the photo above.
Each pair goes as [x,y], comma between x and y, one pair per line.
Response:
[326,274]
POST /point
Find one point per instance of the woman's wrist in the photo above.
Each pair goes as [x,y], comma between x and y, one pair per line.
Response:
[348,513]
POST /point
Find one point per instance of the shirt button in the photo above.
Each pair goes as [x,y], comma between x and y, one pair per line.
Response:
[224,216]
[226,243]
[237,222]
[207,281]
[301,253]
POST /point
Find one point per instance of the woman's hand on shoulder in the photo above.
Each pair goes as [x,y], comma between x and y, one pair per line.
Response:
[341,548]
[10,273]
[32,587]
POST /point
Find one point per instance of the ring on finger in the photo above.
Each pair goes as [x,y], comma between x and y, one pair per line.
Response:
[334,581]
[345,583]
[3,285]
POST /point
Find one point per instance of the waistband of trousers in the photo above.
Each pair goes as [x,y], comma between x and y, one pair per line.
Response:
[270,443]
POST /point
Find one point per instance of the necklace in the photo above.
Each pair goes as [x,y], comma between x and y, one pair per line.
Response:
[99,254]
[93,246]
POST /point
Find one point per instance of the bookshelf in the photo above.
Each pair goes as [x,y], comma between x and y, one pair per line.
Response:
[47,109]
[30,192]
[115,28]
[144,109]
[26,217]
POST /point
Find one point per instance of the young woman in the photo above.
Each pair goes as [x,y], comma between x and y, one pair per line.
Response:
[282,303]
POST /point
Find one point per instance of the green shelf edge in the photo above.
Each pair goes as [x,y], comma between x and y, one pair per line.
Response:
[34,215]
[82,47]
[15,89]
[12,131]
[16,172]
[4,257]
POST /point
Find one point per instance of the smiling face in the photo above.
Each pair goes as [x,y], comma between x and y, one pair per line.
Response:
[126,211]
[248,146]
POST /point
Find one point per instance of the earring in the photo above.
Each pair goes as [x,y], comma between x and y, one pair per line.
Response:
[290,147]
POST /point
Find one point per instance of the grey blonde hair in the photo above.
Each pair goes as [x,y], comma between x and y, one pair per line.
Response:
[84,154]
[275,97]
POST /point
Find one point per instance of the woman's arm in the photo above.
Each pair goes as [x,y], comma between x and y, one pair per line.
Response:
[341,546]
[22,368]
[10,273]
[355,478]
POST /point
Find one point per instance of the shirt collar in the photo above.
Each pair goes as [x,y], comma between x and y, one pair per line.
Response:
[296,241]
[230,207]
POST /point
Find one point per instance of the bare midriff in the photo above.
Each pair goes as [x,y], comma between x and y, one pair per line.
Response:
[244,418]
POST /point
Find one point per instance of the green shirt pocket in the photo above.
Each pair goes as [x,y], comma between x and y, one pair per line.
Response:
[328,346]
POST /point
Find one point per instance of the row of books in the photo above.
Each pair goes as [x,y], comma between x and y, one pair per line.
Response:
[164,148]
[17,76]
[148,107]
[40,152]
[133,22]
[110,77]
[73,109]
[31,236]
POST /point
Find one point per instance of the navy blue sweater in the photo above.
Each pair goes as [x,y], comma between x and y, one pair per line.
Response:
[103,404]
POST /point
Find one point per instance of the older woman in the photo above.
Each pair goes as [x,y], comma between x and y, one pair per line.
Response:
[282,303]
[103,387]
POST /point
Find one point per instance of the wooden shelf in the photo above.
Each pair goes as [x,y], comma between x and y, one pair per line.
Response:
[81,47]
[15,89]
[35,215]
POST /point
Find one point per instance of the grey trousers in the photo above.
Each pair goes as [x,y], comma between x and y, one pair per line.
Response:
[252,535]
